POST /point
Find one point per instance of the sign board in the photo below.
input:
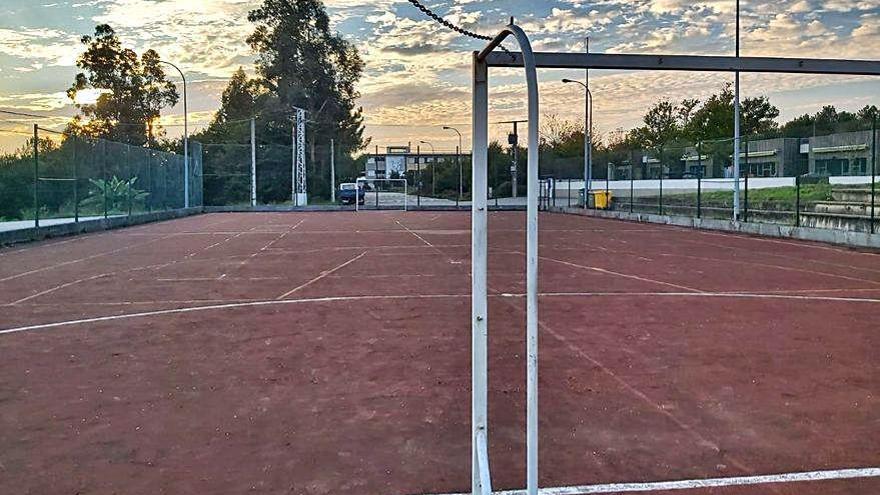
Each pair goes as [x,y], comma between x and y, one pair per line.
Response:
[395,163]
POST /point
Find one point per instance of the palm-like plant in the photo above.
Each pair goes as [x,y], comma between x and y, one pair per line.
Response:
[119,194]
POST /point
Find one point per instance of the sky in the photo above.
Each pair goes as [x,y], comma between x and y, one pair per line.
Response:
[417,75]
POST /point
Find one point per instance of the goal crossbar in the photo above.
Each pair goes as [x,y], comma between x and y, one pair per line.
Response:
[531,61]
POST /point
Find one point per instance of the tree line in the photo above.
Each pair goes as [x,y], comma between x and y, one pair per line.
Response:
[668,128]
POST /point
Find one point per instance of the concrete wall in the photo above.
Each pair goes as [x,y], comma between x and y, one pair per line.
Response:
[841,237]
[35,234]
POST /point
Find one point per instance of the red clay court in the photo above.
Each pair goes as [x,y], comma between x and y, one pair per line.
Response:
[325,353]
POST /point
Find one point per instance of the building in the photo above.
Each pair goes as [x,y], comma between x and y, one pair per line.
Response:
[845,153]
[780,157]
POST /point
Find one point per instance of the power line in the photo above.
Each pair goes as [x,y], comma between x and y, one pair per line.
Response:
[20,114]
[458,29]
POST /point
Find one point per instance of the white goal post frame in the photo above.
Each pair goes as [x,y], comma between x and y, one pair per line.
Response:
[531,61]
[405,190]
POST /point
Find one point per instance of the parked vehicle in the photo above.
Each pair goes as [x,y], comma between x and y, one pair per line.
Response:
[348,191]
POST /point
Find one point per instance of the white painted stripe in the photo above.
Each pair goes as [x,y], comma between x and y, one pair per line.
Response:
[192,309]
[799,477]
[322,275]
[270,302]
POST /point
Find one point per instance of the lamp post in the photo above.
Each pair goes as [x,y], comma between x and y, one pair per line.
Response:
[433,168]
[588,139]
[185,138]
[457,159]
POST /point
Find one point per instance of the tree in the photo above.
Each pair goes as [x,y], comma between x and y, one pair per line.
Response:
[131,91]
[239,103]
[661,127]
[302,64]
[758,116]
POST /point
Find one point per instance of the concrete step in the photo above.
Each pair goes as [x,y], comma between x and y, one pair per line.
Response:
[835,221]
[852,194]
[847,208]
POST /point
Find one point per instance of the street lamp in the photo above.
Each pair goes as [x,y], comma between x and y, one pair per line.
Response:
[457,159]
[588,139]
[433,168]
[185,138]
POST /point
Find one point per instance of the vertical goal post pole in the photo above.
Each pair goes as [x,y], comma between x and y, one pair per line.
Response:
[480,115]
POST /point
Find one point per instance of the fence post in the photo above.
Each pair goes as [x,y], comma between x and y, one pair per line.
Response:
[36,175]
[661,185]
[104,175]
[128,160]
[333,173]
[873,169]
[746,184]
[700,192]
[568,193]
[165,187]
[460,183]
[149,181]
[75,182]
[797,201]
[419,176]
[699,178]
[632,183]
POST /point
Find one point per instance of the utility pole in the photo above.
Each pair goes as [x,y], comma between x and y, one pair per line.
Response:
[513,140]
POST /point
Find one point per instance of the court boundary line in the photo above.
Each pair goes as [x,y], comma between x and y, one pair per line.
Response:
[696,483]
[392,297]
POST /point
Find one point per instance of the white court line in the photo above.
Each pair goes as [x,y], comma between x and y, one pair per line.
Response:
[271,302]
[322,275]
[651,486]
[769,265]
[79,260]
[192,309]
[624,275]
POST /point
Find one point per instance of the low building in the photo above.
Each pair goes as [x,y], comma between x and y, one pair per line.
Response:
[778,157]
[845,153]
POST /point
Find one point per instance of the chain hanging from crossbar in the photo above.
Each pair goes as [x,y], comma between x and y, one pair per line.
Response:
[458,29]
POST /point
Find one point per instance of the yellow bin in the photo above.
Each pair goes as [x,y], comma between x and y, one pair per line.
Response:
[602,199]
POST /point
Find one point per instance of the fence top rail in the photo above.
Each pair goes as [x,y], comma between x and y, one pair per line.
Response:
[554,60]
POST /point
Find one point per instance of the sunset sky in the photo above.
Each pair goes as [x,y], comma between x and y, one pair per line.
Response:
[417,72]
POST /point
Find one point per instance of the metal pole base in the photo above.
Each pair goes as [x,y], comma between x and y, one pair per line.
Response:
[302,199]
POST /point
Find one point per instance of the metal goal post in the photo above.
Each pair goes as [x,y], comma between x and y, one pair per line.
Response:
[531,61]
[392,181]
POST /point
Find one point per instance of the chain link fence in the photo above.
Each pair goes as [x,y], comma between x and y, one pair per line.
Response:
[63,178]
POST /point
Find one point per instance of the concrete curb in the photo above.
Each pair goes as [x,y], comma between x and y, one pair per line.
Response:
[39,233]
[314,208]
[840,237]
